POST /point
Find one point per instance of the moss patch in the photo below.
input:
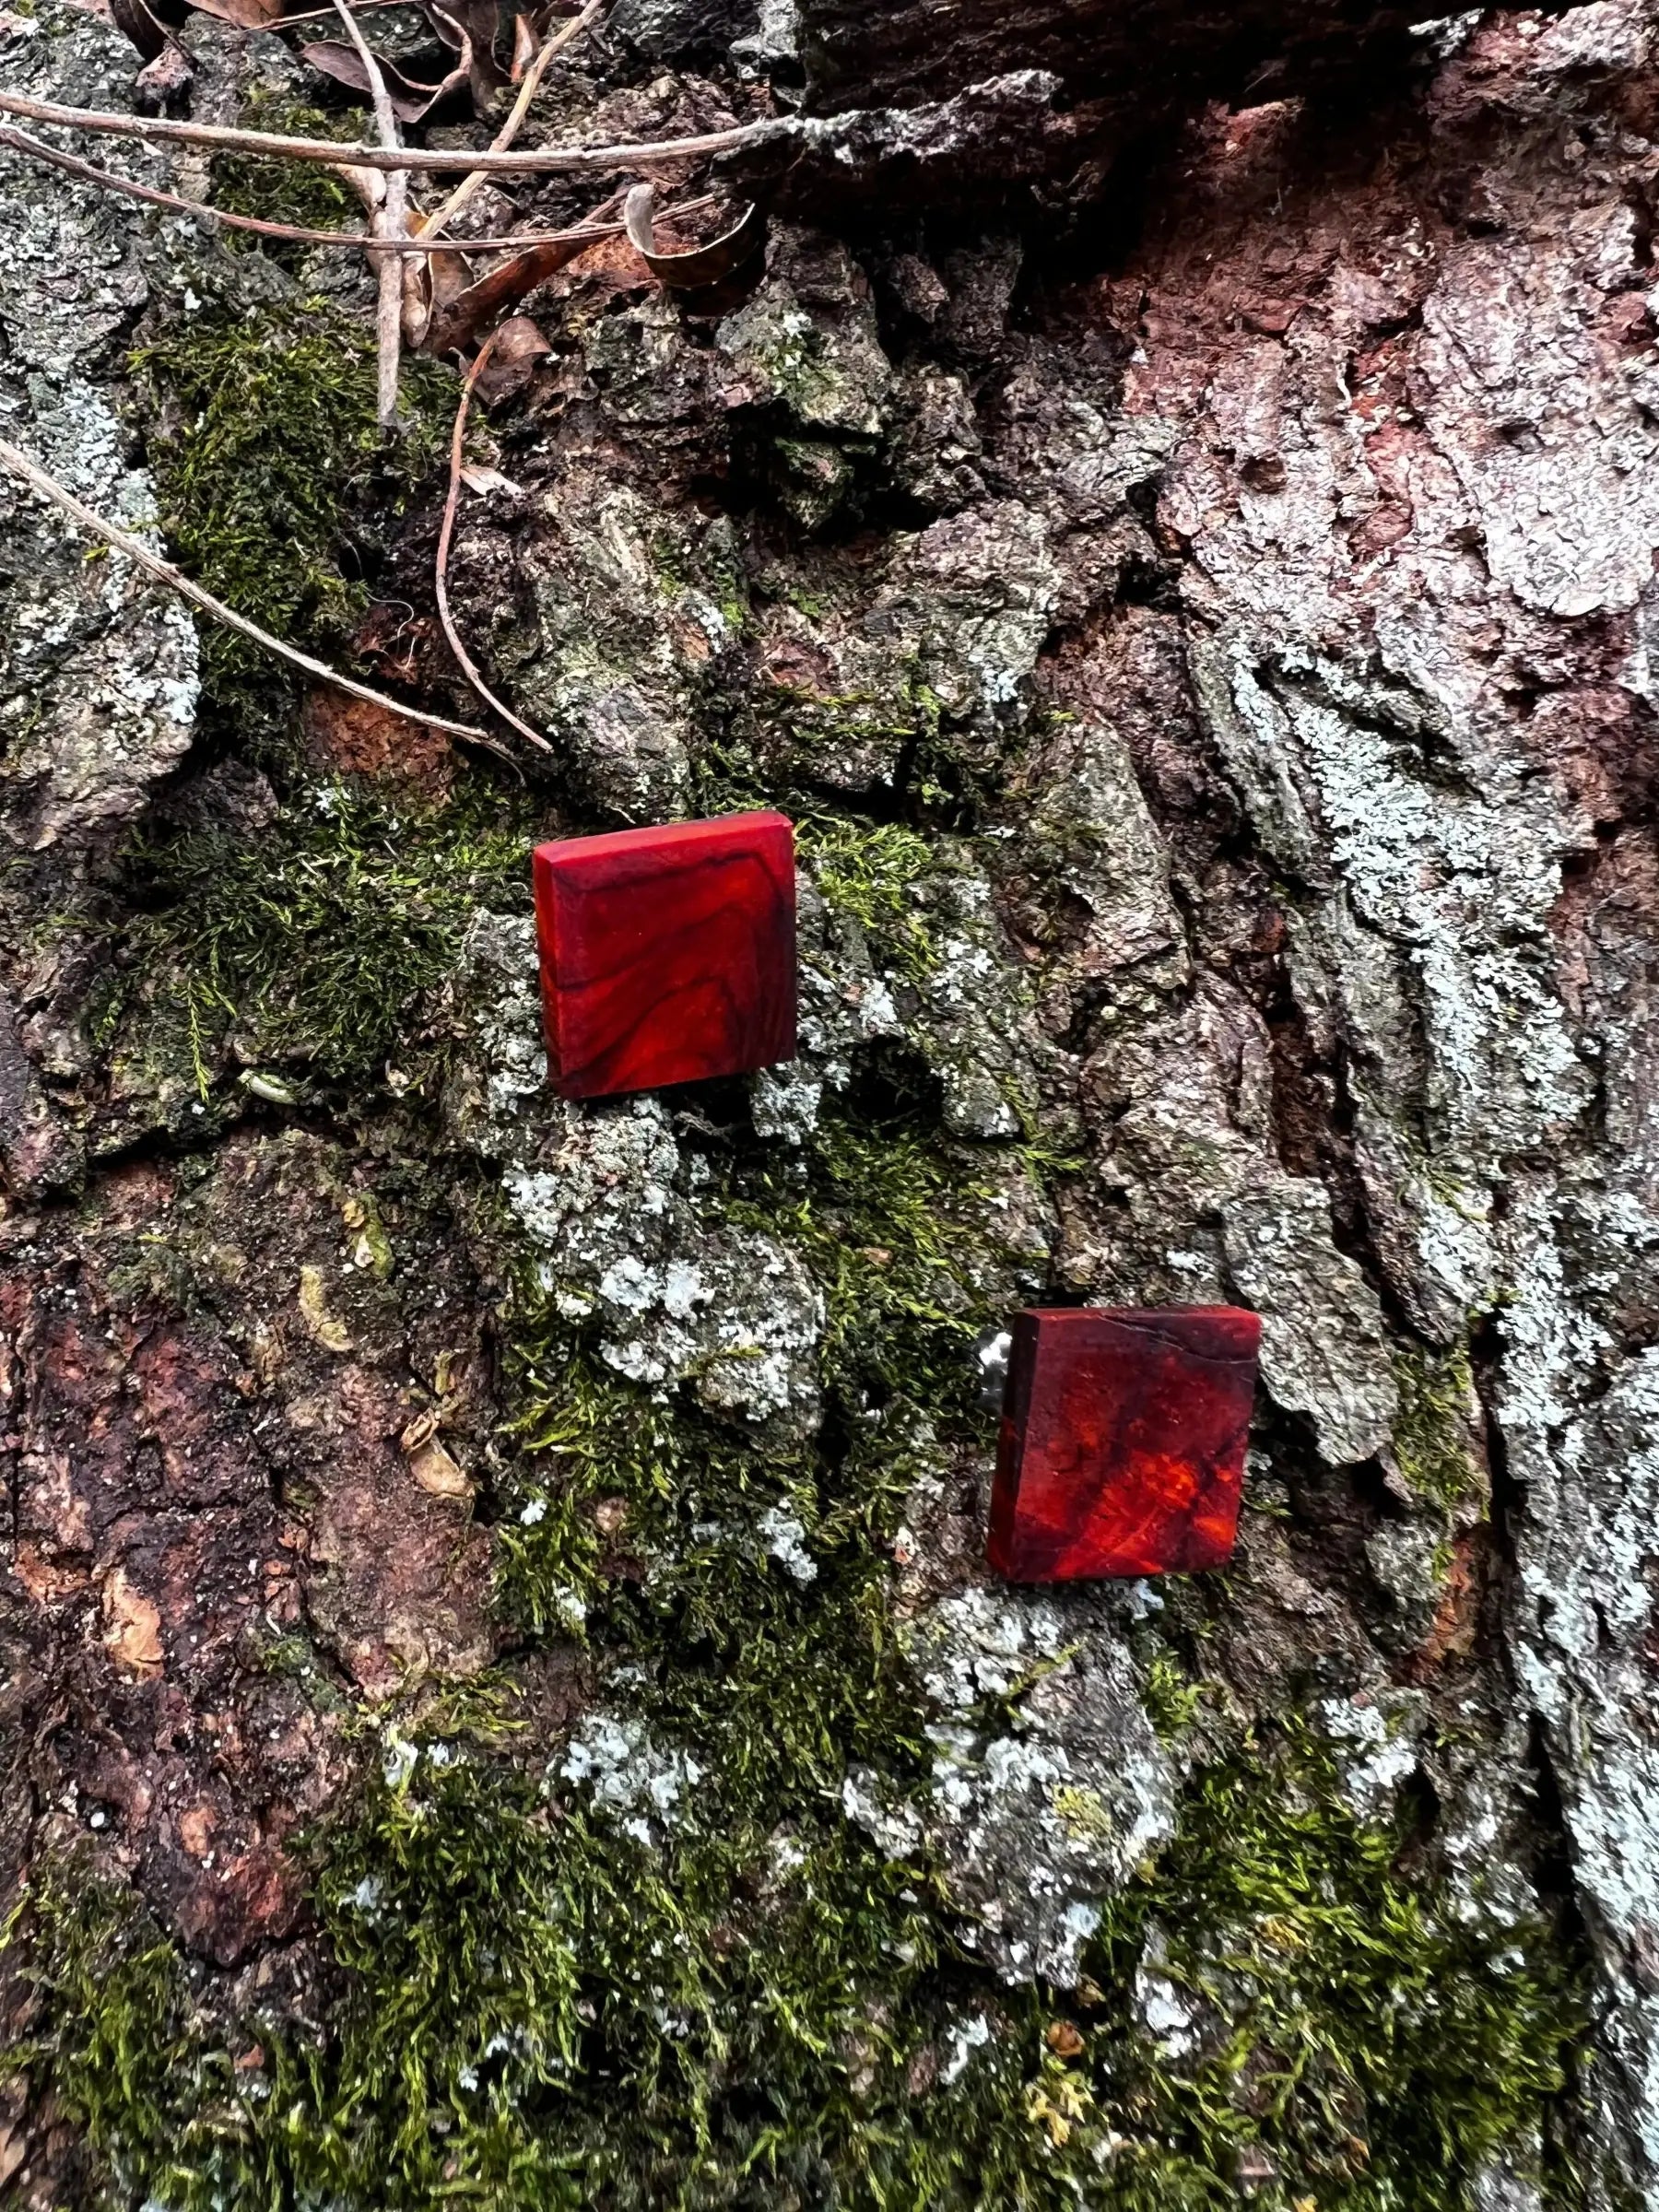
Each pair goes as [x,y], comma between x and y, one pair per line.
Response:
[872,873]
[1343,2036]
[897,1234]
[313,939]
[545,2009]
[299,192]
[149,2078]
[270,462]
[1431,1432]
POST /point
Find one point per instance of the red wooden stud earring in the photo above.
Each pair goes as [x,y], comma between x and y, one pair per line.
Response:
[668,955]
[1122,1442]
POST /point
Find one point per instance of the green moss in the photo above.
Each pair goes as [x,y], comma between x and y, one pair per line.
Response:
[113,2028]
[1431,1432]
[270,462]
[1172,1701]
[874,874]
[300,192]
[1377,2048]
[542,2008]
[315,938]
[775,749]
[897,1236]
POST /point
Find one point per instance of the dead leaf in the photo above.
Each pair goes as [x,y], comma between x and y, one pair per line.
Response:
[482,305]
[470,27]
[133,18]
[420,1431]
[429,284]
[437,1473]
[411,103]
[247,14]
[525,46]
[131,1626]
[519,345]
[1063,2039]
[696,267]
[13,2144]
[359,739]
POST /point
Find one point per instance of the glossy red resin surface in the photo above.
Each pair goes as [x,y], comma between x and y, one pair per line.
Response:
[1122,1442]
[668,955]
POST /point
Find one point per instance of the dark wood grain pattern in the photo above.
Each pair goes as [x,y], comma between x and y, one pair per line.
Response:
[668,954]
[1122,1442]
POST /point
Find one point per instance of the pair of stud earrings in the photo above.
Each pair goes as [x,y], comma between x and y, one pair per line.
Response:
[668,956]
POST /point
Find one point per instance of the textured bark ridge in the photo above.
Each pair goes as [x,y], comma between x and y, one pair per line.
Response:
[1147,59]
[501,1695]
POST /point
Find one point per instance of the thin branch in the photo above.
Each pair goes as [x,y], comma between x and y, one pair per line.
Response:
[363,240]
[38,150]
[389,219]
[440,572]
[589,232]
[49,489]
[445,215]
[536,161]
[385,115]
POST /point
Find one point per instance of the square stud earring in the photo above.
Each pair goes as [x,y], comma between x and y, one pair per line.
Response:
[668,955]
[1122,1442]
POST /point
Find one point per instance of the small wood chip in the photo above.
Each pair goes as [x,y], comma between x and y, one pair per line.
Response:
[131,1626]
[438,1473]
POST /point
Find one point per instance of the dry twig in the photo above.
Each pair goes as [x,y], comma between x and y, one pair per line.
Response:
[364,241]
[442,217]
[49,489]
[440,572]
[389,219]
[536,161]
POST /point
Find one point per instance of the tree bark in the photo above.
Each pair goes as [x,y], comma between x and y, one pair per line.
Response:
[1201,624]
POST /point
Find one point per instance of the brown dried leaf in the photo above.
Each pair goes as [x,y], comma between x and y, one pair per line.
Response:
[611,264]
[483,304]
[133,18]
[452,274]
[419,1432]
[247,14]
[470,26]
[410,103]
[519,345]
[417,300]
[525,46]
[350,736]
[696,267]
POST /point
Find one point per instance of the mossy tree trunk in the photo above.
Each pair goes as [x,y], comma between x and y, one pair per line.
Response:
[501,1699]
